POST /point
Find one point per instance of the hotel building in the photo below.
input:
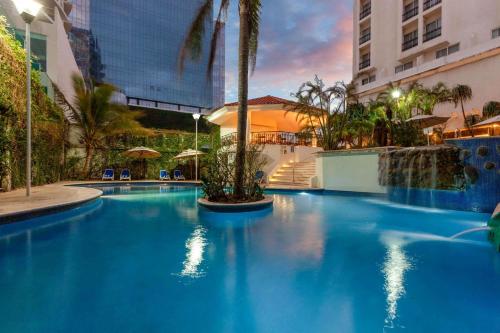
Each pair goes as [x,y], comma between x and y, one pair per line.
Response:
[452,41]
[135,46]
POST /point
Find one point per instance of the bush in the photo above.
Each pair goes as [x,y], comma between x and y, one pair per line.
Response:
[218,178]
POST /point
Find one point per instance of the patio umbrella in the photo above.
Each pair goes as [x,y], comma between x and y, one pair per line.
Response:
[425,121]
[142,153]
[188,154]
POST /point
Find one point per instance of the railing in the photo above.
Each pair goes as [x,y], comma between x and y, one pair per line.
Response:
[408,14]
[431,34]
[273,138]
[365,11]
[365,38]
[431,3]
[410,43]
[364,64]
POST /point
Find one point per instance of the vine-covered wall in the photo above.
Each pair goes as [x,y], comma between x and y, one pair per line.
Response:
[48,121]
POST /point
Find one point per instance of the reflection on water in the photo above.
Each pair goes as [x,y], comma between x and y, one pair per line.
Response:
[195,246]
[395,266]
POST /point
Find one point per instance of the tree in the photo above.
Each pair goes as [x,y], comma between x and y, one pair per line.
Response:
[491,109]
[322,110]
[431,97]
[98,117]
[249,15]
[460,94]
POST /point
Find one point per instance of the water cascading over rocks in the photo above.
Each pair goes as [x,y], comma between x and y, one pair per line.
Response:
[436,167]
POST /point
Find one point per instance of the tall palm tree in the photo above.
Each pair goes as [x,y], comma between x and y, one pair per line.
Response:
[431,97]
[460,94]
[249,13]
[98,117]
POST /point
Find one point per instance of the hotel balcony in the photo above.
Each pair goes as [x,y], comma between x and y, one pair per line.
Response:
[364,64]
[365,38]
[411,43]
[409,13]
[366,10]
[431,34]
[274,138]
[430,3]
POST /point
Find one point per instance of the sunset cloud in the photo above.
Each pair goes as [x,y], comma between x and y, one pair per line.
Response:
[298,40]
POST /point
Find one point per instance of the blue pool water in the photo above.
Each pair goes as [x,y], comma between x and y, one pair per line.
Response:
[149,260]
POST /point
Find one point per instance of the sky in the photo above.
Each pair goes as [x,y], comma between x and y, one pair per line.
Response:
[298,39]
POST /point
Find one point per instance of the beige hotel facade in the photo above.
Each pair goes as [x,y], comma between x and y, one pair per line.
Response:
[452,41]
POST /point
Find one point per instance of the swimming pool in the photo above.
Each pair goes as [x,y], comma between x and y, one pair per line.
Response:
[147,259]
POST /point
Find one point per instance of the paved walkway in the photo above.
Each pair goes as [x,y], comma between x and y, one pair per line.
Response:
[15,204]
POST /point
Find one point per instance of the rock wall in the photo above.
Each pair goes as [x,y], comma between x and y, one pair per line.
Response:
[434,167]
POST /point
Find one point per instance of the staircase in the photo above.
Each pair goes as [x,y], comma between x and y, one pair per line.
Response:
[294,174]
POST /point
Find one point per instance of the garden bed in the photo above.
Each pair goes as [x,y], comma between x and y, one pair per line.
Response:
[231,207]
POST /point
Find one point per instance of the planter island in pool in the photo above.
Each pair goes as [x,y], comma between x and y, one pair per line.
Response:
[237,207]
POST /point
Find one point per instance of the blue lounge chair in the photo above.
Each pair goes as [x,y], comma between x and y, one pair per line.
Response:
[108,174]
[178,175]
[259,177]
[164,175]
[125,175]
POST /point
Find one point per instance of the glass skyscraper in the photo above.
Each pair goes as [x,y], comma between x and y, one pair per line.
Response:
[135,46]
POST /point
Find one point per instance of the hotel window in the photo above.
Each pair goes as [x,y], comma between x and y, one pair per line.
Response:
[448,50]
[364,61]
[365,36]
[495,33]
[404,67]
[365,9]
[370,79]
[432,30]
[410,40]
[410,10]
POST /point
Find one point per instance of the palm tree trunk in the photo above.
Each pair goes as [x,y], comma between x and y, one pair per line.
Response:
[469,127]
[89,153]
[244,52]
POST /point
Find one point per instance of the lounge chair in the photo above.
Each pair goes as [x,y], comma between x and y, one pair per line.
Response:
[164,175]
[178,175]
[108,174]
[125,175]
[259,177]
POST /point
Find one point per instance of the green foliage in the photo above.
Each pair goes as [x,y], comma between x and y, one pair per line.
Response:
[218,178]
[491,109]
[97,117]
[47,119]
[170,120]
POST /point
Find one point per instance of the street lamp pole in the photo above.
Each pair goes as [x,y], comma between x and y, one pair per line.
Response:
[28,9]
[196,117]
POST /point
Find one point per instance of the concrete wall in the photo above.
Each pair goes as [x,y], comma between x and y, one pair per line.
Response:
[349,170]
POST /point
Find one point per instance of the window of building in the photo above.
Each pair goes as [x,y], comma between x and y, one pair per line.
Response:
[404,67]
[365,36]
[364,61]
[495,33]
[365,9]
[369,79]
[432,30]
[410,10]
[448,50]
[410,40]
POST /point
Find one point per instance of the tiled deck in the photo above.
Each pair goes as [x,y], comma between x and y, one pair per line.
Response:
[15,205]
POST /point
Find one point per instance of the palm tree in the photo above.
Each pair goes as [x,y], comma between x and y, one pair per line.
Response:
[460,94]
[97,117]
[431,97]
[323,110]
[249,13]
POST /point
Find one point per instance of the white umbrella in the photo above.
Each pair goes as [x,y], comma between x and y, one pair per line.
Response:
[425,121]
[187,154]
[141,153]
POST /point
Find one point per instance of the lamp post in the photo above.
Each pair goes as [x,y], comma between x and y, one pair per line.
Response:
[196,117]
[28,9]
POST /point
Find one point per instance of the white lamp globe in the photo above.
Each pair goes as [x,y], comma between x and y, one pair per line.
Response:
[396,94]
[196,116]
[28,9]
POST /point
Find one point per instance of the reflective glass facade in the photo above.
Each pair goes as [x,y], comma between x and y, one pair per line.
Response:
[135,46]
